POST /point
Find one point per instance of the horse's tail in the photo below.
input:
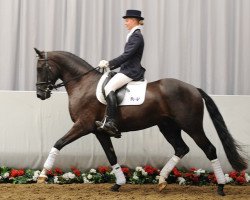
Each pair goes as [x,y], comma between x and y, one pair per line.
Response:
[229,144]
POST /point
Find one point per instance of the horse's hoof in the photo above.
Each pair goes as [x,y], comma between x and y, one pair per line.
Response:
[220,190]
[161,186]
[221,193]
[115,188]
[41,179]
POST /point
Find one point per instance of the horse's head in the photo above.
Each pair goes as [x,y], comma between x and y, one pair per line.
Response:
[46,75]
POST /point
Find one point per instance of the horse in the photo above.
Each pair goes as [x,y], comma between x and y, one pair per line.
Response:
[170,104]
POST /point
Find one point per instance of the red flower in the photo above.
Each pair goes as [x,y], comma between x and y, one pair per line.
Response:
[76,171]
[125,170]
[150,170]
[241,180]
[103,169]
[211,177]
[21,172]
[243,173]
[50,173]
[233,175]
[195,178]
[176,172]
[192,169]
[58,171]
[188,175]
[15,172]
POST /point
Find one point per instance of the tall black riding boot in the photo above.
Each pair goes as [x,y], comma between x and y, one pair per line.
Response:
[110,126]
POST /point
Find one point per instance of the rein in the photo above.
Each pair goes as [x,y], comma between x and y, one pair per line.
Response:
[48,82]
[77,77]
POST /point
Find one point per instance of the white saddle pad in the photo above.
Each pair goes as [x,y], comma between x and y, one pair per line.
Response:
[134,95]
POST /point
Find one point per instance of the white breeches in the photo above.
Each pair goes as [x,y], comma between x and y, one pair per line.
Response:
[116,82]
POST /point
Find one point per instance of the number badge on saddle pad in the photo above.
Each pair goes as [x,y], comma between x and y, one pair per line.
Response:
[131,94]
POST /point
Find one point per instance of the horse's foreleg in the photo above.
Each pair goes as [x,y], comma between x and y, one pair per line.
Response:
[108,148]
[74,133]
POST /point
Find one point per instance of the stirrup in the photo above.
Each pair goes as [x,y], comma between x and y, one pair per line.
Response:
[101,124]
[116,134]
[102,128]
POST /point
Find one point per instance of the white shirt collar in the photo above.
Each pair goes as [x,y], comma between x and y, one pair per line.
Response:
[132,31]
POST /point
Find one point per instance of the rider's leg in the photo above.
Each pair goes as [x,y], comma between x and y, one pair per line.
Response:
[115,83]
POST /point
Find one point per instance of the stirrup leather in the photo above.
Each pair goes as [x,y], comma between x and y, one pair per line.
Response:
[104,121]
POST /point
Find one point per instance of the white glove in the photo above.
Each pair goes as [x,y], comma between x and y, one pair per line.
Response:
[103,64]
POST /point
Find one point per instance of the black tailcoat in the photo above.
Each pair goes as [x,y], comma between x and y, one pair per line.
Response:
[130,60]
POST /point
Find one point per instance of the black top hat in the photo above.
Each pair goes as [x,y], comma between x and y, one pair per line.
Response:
[133,14]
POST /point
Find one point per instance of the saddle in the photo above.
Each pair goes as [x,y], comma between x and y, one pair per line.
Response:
[120,93]
[132,93]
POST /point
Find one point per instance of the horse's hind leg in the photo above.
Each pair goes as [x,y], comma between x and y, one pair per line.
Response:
[198,135]
[108,148]
[172,133]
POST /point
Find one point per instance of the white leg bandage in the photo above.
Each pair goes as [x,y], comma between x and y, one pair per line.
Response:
[218,171]
[51,158]
[120,178]
[43,173]
[169,167]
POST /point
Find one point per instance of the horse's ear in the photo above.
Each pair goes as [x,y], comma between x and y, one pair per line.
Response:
[39,53]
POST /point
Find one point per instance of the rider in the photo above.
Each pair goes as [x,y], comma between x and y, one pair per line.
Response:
[131,69]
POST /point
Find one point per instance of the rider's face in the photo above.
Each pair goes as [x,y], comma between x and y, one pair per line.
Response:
[131,23]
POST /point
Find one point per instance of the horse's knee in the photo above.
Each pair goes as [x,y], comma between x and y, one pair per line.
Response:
[181,151]
[211,152]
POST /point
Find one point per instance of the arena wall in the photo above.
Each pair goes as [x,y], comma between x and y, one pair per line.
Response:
[29,128]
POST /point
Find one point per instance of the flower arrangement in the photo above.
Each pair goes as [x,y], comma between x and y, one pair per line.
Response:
[142,175]
[104,174]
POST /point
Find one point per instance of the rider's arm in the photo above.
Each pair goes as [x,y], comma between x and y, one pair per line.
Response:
[133,44]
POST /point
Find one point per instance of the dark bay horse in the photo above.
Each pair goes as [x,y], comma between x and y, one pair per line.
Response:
[170,104]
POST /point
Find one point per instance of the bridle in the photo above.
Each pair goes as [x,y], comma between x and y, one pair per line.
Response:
[49,82]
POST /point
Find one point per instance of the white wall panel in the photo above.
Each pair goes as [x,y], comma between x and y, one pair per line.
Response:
[29,128]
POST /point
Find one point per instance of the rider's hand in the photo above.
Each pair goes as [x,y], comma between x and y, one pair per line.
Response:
[103,64]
